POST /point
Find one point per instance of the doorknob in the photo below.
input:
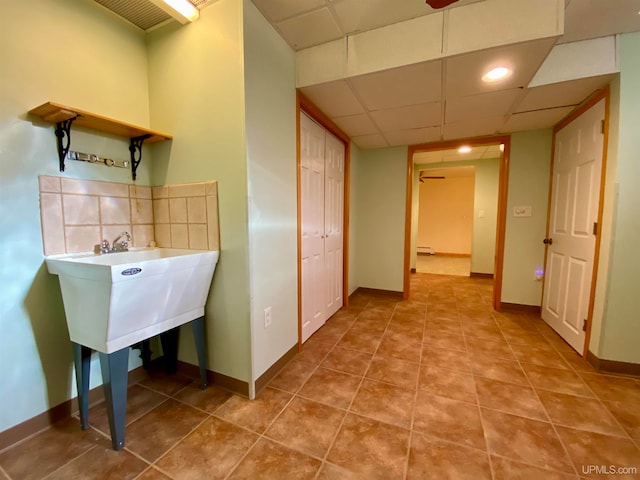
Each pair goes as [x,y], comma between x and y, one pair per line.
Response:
[548,241]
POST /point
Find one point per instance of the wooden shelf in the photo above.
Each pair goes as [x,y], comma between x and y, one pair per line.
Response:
[54,113]
[63,117]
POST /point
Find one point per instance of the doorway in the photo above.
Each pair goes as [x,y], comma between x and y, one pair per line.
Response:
[421,157]
[445,220]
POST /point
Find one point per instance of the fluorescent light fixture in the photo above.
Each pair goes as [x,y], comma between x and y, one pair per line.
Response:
[464,149]
[496,74]
[182,10]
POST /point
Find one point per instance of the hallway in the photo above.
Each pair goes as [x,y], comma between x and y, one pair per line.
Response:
[436,387]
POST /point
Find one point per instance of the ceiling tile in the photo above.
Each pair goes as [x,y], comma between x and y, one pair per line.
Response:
[405,118]
[370,141]
[469,129]
[356,125]
[464,72]
[597,18]
[277,10]
[309,29]
[453,155]
[335,99]
[562,94]
[536,120]
[413,137]
[359,15]
[476,107]
[399,87]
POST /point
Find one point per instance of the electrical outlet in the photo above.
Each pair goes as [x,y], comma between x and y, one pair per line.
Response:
[267,317]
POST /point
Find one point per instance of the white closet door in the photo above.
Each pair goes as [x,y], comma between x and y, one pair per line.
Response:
[333,222]
[312,173]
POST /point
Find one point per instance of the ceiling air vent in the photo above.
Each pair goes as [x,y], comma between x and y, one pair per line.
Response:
[142,13]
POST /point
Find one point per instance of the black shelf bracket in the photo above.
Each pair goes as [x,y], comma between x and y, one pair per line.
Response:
[63,139]
[135,147]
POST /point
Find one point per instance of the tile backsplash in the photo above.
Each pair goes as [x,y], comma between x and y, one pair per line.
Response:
[77,214]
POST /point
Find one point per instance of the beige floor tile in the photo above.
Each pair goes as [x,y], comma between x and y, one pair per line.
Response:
[348,361]
[371,449]
[504,469]
[156,432]
[140,400]
[257,414]
[306,426]
[509,398]
[525,440]
[449,420]
[102,463]
[628,415]
[613,388]
[361,341]
[498,369]
[446,358]
[384,402]
[293,376]
[556,380]
[396,348]
[152,473]
[313,351]
[395,371]
[594,449]
[447,383]
[54,448]
[209,399]
[580,413]
[330,387]
[432,458]
[271,460]
[211,451]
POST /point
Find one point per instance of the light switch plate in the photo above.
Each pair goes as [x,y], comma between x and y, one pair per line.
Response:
[522,211]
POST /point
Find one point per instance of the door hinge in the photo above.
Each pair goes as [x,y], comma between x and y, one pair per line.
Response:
[595,228]
[584,325]
[601,126]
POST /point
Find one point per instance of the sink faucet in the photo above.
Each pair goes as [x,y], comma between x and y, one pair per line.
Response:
[119,245]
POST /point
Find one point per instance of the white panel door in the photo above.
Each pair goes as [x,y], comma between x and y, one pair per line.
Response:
[574,210]
[312,153]
[333,222]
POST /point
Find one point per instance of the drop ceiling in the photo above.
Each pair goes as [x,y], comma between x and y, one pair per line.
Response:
[443,99]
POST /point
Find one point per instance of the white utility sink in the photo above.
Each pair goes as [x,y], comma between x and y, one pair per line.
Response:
[114,300]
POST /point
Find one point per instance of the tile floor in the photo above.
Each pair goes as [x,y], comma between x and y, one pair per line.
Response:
[437,387]
[443,265]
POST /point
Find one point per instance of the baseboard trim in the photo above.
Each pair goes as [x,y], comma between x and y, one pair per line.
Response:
[214,378]
[274,369]
[376,291]
[481,275]
[69,407]
[613,366]
[60,412]
[520,308]
[449,254]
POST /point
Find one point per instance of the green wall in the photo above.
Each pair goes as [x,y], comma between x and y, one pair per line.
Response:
[103,70]
[529,168]
[379,211]
[354,174]
[485,197]
[620,331]
[196,91]
[270,111]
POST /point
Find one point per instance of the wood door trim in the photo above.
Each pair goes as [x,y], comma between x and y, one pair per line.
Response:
[602,94]
[305,105]
[503,190]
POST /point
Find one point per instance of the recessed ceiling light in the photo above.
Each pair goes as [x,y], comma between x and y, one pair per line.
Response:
[496,74]
[464,149]
[502,147]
